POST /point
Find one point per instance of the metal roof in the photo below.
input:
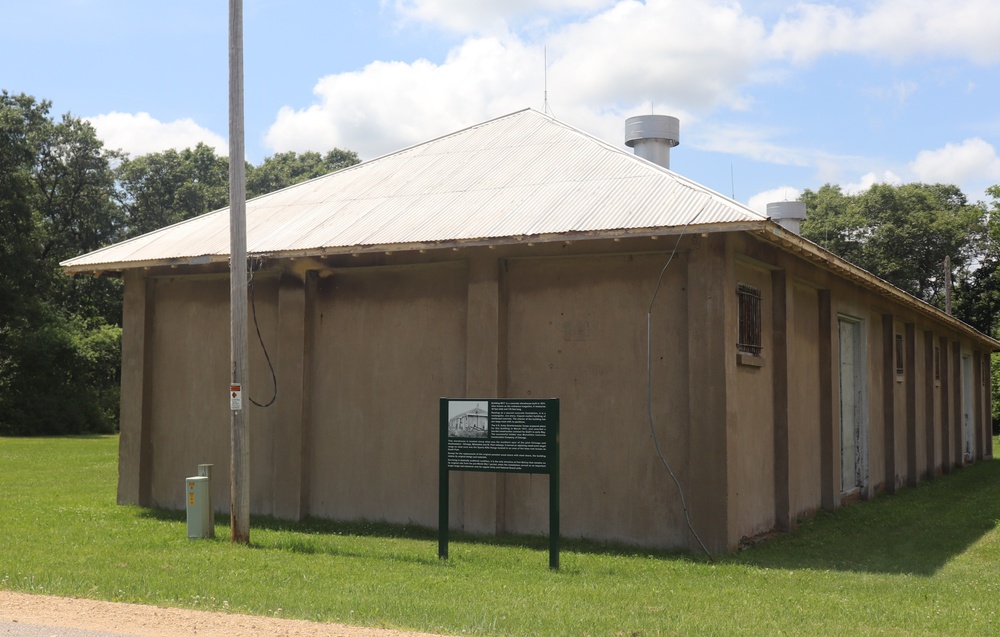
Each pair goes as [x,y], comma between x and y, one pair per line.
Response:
[521,175]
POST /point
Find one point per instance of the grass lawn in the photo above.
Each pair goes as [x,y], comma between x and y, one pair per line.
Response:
[922,562]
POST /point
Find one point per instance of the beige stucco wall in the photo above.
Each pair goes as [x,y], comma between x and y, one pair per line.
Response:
[805,479]
[190,344]
[751,432]
[919,417]
[922,413]
[577,331]
[189,415]
[388,343]
[364,346]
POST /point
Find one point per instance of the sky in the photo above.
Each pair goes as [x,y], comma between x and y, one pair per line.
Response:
[773,97]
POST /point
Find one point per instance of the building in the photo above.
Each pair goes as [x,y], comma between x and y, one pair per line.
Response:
[523,258]
[473,423]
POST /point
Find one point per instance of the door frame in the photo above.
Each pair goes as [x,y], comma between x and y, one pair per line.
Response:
[968,409]
[859,408]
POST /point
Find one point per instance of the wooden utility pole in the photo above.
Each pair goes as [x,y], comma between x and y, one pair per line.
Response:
[239,468]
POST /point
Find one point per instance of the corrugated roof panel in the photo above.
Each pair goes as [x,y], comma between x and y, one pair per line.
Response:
[520,175]
[331,231]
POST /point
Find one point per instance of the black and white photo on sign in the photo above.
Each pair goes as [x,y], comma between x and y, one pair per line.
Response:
[468,419]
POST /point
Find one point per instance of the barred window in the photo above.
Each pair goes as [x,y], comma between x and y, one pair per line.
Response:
[937,364]
[749,308]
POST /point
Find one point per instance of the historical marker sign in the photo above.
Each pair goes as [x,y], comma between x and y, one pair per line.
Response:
[506,435]
[514,436]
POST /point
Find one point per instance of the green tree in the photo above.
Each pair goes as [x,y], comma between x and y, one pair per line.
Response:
[21,119]
[55,201]
[285,169]
[903,234]
[977,292]
[75,214]
[900,233]
[62,194]
[160,189]
[61,377]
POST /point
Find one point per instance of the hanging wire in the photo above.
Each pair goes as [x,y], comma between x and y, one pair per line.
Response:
[253,306]
[649,387]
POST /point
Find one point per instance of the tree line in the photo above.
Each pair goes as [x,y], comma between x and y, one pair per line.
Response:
[62,194]
[908,234]
[904,234]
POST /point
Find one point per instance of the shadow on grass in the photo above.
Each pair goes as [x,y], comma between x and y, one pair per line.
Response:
[300,537]
[55,437]
[915,531]
[421,533]
[297,537]
[162,515]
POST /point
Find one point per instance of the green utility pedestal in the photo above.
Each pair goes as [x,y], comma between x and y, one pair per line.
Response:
[199,507]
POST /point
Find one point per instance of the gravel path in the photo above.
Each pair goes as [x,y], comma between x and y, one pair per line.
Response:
[43,616]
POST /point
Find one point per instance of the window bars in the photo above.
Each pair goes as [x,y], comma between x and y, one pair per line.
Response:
[749,308]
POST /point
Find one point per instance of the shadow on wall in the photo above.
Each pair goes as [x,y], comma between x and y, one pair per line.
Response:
[915,531]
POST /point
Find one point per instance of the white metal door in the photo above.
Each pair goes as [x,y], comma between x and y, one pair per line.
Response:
[852,442]
[967,428]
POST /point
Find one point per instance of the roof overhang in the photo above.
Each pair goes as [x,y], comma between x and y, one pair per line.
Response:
[98,269]
[766,230]
[808,250]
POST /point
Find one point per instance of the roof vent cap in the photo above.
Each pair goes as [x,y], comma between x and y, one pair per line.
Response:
[788,214]
[652,137]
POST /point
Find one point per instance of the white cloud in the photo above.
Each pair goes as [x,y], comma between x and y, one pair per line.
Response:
[681,58]
[711,47]
[782,193]
[759,145]
[903,90]
[970,165]
[476,16]
[675,53]
[868,180]
[966,29]
[894,28]
[972,160]
[810,30]
[389,105]
[608,59]
[900,91]
[897,29]
[140,133]
[755,143]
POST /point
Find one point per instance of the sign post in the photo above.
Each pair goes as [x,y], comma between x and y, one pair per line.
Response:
[501,435]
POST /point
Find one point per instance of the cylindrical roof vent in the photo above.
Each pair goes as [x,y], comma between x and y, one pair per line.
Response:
[788,214]
[652,137]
